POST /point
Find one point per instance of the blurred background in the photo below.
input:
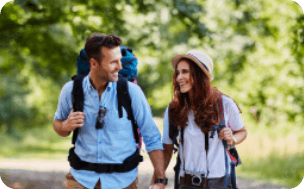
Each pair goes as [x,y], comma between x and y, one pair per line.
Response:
[257,48]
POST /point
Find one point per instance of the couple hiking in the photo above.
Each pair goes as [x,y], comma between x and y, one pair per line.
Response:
[110,115]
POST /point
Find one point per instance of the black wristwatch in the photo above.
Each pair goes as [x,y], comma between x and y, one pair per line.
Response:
[162,180]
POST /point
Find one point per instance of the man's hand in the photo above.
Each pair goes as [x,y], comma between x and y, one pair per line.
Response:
[75,120]
[64,128]
[157,186]
[226,134]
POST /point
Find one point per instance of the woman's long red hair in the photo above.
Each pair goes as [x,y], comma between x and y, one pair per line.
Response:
[203,103]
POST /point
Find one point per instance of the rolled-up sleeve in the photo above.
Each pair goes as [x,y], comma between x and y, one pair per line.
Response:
[143,116]
[166,138]
[64,106]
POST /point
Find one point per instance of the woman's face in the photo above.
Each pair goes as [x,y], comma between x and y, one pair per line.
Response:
[183,77]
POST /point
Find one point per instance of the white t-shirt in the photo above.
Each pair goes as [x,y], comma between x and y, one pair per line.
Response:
[194,153]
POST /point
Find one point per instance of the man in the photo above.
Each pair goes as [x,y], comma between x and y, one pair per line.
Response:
[113,141]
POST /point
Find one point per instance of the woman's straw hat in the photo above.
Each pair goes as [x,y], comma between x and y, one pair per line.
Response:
[199,57]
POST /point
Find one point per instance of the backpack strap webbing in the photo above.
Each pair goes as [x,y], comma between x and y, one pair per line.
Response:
[226,152]
[77,99]
[176,172]
[173,134]
[221,126]
[128,164]
[173,131]
[124,100]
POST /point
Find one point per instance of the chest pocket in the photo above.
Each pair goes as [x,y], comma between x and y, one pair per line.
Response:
[114,123]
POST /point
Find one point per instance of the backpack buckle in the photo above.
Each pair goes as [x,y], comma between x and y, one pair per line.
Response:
[214,128]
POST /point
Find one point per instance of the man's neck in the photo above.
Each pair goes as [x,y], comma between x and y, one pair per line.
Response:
[99,85]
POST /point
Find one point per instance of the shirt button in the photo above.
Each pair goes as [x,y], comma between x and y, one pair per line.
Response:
[99,157]
[99,142]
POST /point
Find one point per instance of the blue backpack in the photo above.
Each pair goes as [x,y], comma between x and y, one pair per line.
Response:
[128,61]
[129,64]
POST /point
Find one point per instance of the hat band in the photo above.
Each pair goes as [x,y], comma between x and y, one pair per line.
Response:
[199,61]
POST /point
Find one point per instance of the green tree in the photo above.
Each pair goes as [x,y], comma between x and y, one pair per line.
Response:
[256,46]
[40,41]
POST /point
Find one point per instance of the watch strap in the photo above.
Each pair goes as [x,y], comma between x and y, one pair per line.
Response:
[162,180]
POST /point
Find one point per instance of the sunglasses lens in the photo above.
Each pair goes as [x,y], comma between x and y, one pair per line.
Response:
[102,123]
[101,114]
[98,125]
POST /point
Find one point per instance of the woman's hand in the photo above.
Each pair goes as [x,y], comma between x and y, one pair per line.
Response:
[226,134]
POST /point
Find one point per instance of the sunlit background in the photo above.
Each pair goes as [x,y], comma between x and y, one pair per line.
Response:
[256,46]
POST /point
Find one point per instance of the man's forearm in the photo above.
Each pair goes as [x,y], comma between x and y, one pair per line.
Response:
[168,149]
[58,128]
[157,159]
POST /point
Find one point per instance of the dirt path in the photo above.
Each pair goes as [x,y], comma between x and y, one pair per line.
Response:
[51,175]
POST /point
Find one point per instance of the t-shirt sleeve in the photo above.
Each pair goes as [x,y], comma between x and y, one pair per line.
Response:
[233,114]
[166,138]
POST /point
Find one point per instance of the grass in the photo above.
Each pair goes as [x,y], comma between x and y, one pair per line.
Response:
[274,155]
[287,170]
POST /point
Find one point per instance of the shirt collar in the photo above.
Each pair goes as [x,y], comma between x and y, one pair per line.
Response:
[89,84]
[87,78]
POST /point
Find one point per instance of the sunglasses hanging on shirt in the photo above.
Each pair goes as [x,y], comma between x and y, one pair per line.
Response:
[100,118]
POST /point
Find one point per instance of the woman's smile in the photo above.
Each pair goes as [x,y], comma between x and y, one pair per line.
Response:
[183,76]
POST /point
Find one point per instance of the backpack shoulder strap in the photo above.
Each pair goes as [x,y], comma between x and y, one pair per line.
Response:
[77,99]
[221,125]
[221,111]
[124,100]
[173,131]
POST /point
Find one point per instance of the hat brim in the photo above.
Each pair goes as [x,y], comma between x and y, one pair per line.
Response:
[177,58]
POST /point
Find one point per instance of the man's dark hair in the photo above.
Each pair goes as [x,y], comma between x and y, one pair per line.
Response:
[96,41]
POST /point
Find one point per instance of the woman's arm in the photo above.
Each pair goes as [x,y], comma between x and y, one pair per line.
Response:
[240,135]
[236,132]
[233,137]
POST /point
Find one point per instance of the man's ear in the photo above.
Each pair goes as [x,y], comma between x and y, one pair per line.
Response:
[93,63]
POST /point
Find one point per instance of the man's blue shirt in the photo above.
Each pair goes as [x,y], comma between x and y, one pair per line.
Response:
[115,142]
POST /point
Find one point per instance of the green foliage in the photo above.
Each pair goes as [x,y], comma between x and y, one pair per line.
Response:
[39,46]
[256,46]
[37,143]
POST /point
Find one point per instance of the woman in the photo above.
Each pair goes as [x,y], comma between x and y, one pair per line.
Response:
[194,111]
